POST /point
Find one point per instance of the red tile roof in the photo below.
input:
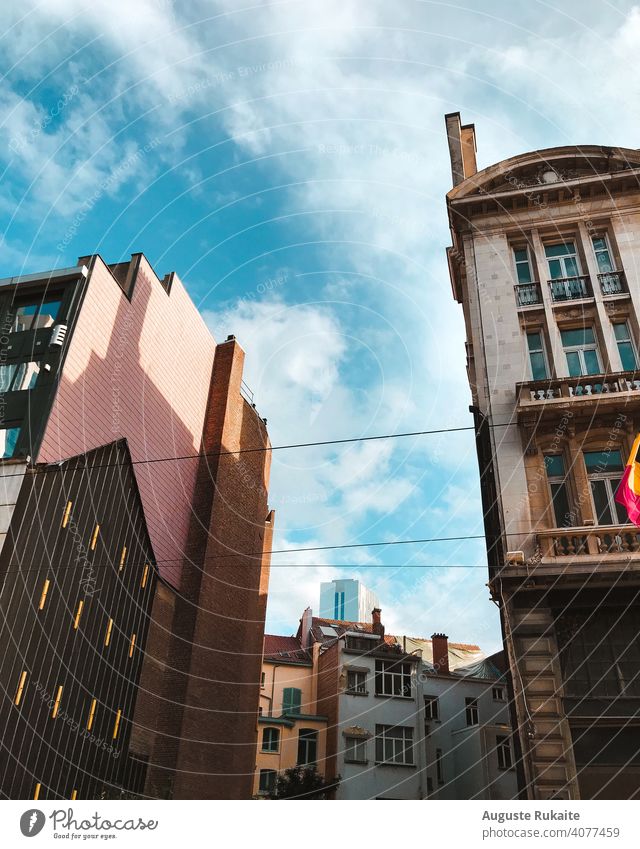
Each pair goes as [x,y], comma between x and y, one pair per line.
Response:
[284,648]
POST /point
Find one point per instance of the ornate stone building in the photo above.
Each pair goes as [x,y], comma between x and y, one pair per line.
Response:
[545,262]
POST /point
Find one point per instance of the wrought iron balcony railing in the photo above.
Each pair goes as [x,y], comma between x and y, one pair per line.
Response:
[570,288]
[528,294]
[612,283]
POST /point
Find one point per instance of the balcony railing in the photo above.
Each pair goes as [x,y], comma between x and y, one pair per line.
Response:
[612,283]
[595,387]
[528,294]
[597,541]
[570,288]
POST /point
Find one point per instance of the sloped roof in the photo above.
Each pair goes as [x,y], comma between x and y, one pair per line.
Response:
[284,648]
[341,627]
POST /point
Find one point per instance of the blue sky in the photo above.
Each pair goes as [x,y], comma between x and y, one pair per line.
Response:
[288,160]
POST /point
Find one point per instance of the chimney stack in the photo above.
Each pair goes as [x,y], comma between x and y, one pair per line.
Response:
[306,622]
[377,627]
[462,147]
[440,646]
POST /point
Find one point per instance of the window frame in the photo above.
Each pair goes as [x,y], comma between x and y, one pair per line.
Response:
[307,742]
[398,745]
[605,237]
[431,715]
[542,350]
[352,744]
[563,257]
[385,674]
[628,341]
[611,482]
[517,262]
[503,753]
[360,688]
[559,481]
[498,688]
[580,351]
[271,745]
[471,711]
[270,783]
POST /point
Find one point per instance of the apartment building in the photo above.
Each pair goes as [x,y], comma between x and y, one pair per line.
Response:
[544,261]
[130,537]
[347,599]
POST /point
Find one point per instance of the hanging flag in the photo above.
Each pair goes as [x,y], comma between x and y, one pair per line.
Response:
[628,493]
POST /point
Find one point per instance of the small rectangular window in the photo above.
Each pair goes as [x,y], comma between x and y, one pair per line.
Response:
[107,636]
[471,710]
[497,693]
[116,724]
[76,621]
[56,704]
[626,347]
[262,675]
[554,464]
[503,749]
[21,683]
[122,558]
[92,713]
[132,645]
[356,681]
[267,781]
[537,357]
[43,597]
[523,265]
[355,750]
[67,514]
[603,255]
[431,711]
[145,575]
[94,538]
[270,739]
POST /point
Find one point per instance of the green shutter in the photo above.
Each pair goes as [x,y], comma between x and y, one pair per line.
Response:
[291,700]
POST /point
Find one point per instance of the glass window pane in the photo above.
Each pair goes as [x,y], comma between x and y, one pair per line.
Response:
[627,356]
[592,366]
[601,502]
[603,461]
[48,313]
[621,331]
[534,340]
[521,255]
[599,244]
[8,439]
[6,376]
[577,338]
[573,362]
[554,465]
[604,262]
[560,250]
[24,317]
[571,267]
[560,502]
[555,269]
[538,366]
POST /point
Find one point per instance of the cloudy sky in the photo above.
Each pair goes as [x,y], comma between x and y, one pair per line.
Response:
[288,160]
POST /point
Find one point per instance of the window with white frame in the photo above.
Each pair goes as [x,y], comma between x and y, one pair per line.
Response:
[431,710]
[356,681]
[497,694]
[604,470]
[394,744]
[503,749]
[471,710]
[355,750]
[537,356]
[626,346]
[602,254]
[581,351]
[270,739]
[563,260]
[393,678]
[523,265]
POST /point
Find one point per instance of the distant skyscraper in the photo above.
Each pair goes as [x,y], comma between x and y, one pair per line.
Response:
[348,600]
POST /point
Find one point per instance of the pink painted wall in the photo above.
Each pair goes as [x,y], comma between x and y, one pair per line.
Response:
[139,370]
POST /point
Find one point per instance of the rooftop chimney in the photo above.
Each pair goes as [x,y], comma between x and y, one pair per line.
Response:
[440,646]
[462,147]
[306,622]
[377,627]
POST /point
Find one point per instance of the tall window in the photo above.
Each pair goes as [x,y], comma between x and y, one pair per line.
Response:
[394,744]
[338,606]
[581,351]
[356,681]
[471,710]
[554,465]
[431,708]
[503,749]
[270,739]
[523,265]
[393,678]
[603,255]
[355,750]
[626,348]
[268,778]
[307,747]
[563,260]
[291,700]
[604,469]
[536,356]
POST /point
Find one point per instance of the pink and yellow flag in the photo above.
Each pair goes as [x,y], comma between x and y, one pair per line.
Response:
[628,493]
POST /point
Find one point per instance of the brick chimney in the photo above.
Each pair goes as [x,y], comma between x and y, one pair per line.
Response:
[377,627]
[462,147]
[440,646]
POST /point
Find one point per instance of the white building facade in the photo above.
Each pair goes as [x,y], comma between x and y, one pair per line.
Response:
[347,600]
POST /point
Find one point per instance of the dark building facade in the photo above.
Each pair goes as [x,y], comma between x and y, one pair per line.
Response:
[109,361]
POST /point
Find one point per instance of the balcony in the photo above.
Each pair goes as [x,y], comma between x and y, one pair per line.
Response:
[612,283]
[605,390]
[528,294]
[570,288]
[599,542]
